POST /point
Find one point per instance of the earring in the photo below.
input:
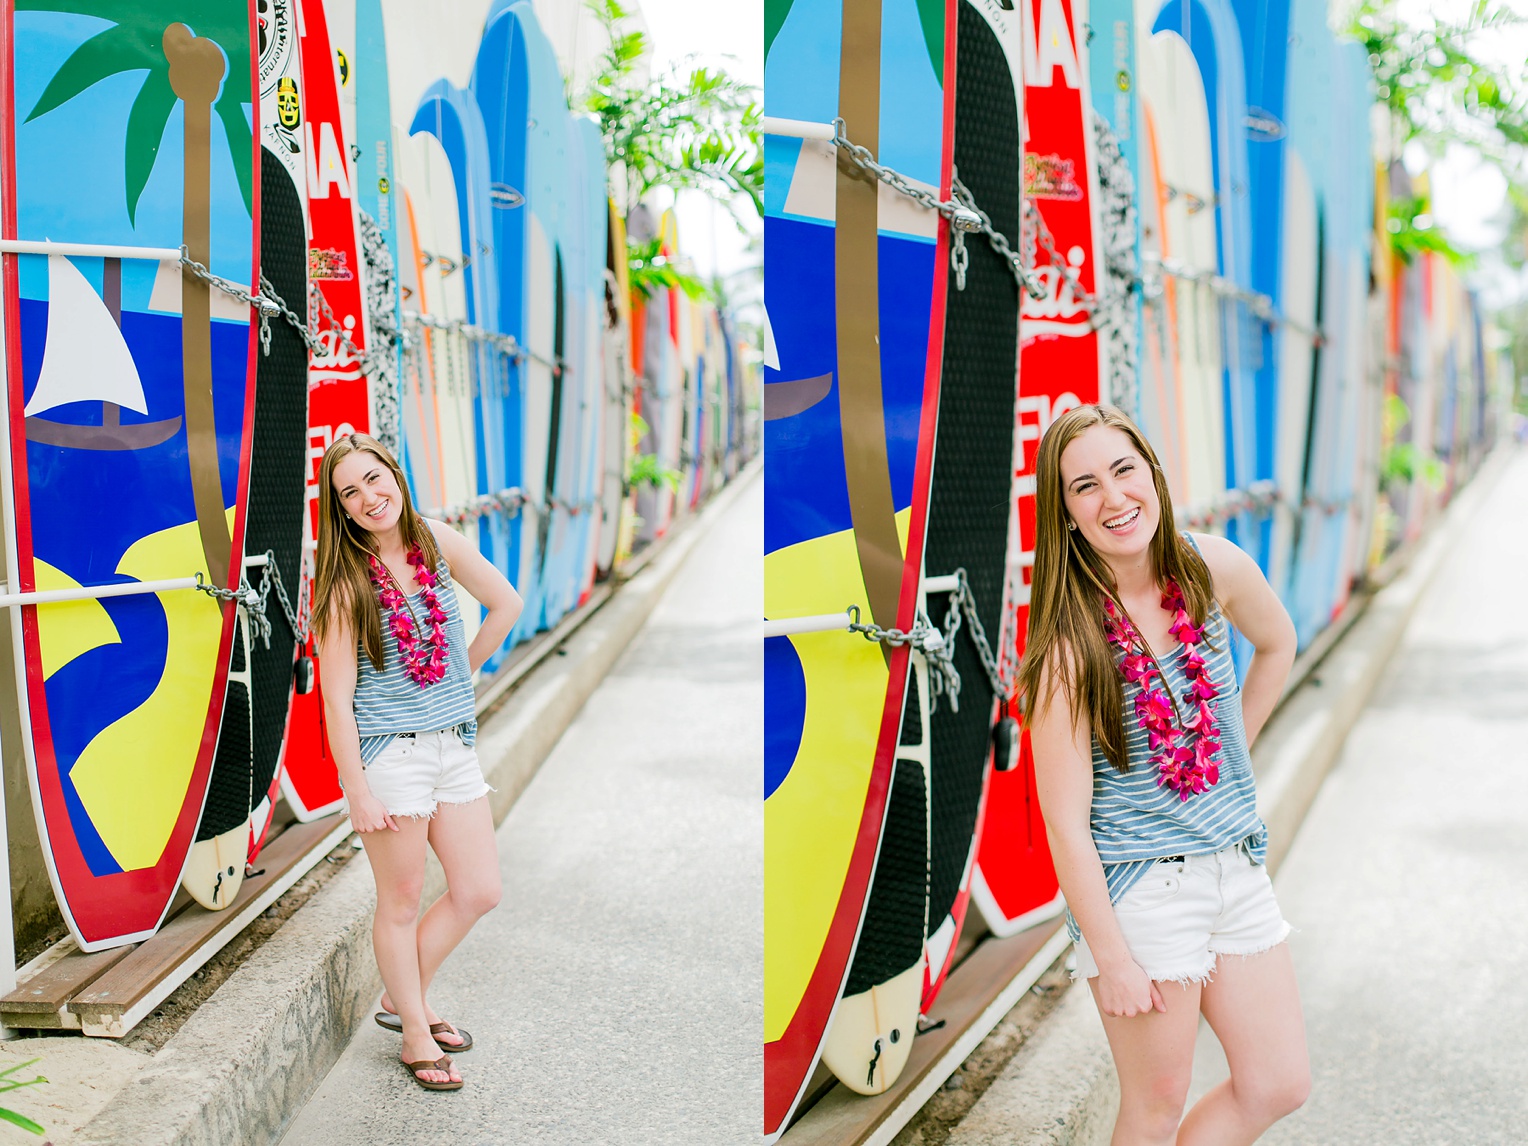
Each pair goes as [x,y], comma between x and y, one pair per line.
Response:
[1072,525]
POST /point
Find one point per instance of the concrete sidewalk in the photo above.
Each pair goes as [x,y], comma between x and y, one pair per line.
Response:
[614,995]
[1406,882]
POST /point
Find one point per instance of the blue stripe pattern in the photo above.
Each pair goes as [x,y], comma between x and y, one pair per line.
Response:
[390,702]
[1135,822]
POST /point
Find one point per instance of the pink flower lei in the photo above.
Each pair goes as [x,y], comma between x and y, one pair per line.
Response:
[423,660]
[1186,756]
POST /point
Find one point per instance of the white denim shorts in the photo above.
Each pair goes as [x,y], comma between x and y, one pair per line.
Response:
[1182,915]
[420,770]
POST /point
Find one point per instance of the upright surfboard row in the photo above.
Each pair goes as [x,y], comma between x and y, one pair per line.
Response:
[462,274]
[1221,148]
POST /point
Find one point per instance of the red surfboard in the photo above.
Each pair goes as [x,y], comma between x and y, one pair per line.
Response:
[339,400]
[1061,361]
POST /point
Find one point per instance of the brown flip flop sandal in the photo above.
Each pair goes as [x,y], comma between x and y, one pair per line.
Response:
[443,1063]
[391,1022]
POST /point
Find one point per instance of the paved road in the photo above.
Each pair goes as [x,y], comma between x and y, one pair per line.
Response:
[1409,879]
[614,995]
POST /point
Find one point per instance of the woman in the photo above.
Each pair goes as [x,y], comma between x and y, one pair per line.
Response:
[1140,737]
[401,719]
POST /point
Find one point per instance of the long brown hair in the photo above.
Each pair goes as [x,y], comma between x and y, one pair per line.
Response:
[342,586]
[1067,646]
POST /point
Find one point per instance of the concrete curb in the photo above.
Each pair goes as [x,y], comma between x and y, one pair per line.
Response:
[251,1056]
[1061,1089]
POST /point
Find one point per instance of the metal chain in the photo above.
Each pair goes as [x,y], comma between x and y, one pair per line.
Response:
[963,604]
[271,305]
[272,580]
[255,602]
[964,215]
[246,597]
[506,344]
[943,675]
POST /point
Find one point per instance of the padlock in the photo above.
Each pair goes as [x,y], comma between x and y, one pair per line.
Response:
[1005,744]
[303,675]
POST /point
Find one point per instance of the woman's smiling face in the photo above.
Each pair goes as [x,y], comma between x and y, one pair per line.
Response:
[1107,489]
[368,492]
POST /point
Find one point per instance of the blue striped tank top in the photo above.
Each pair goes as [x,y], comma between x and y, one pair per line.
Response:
[1135,822]
[390,702]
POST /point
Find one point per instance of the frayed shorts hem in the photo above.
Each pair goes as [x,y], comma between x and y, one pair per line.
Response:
[418,772]
[1181,916]
[435,806]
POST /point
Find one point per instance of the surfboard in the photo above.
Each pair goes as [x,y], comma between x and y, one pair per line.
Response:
[1326,125]
[1208,29]
[589,182]
[850,400]
[1061,365]
[339,400]
[1174,107]
[438,403]
[1297,356]
[128,452]
[616,398]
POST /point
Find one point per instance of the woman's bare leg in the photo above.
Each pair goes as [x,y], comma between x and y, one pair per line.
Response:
[1253,1006]
[463,839]
[1154,1057]
[397,862]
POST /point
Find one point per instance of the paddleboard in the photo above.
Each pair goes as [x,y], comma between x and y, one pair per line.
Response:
[245,776]
[850,405]
[246,781]
[970,502]
[339,400]
[1061,365]
[132,415]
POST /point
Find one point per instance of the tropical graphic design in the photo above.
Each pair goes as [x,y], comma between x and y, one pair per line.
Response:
[130,387]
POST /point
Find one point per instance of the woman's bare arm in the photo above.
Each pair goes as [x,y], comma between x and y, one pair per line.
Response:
[488,586]
[1258,614]
[1064,779]
[338,667]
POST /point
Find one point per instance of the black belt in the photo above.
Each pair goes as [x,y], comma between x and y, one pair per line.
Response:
[1173,859]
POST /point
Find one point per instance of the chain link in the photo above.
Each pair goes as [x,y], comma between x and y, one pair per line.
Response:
[967,217]
[963,605]
[924,637]
[964,215]
[255,602]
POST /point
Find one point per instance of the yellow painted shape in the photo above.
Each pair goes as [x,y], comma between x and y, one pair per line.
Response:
[132,777]
[67,629]
[811,820]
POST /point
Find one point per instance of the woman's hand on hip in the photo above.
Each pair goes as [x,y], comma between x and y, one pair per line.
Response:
[1126,991]
[369,814]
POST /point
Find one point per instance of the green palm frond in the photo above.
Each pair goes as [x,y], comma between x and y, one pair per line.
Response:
[146,121]
[134,43]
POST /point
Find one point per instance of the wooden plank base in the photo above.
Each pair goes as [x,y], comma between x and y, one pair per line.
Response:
[107,993]
[978,993]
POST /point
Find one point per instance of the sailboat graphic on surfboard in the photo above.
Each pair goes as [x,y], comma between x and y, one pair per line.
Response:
[86,359]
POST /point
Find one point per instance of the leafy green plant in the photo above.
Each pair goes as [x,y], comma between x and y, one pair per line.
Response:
[1412,231]
[1440,90]
[646,469]
[650,269]
[8,1084]
[1404,462]
[1436,85]
[687,128]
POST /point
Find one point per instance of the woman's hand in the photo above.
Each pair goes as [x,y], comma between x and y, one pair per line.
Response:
[1125,991]
[369,814]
